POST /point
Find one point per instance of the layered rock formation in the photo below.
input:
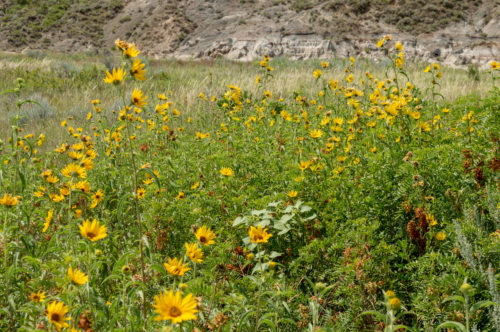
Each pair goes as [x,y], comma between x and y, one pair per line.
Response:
[296,36]
[455,33]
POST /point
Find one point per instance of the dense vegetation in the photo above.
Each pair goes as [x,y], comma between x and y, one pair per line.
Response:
[24,22]
[379,196]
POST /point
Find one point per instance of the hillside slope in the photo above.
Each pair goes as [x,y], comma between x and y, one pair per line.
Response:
[455,32]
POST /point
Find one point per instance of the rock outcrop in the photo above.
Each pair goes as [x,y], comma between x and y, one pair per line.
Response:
[457,33]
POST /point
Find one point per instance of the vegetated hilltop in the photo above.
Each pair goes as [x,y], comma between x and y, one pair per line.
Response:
[456,32]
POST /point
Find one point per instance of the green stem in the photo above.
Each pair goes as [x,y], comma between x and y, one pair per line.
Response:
[257,314]
[467,313]
[6,257]
[5,248]
[124,297]
[139,223]
[69,213]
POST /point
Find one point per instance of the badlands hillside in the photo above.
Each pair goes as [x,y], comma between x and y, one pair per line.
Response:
[453,32]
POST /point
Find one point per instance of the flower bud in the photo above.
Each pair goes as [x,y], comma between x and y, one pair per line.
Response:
[390,294]
[466,288]
[320,286]
[395,303]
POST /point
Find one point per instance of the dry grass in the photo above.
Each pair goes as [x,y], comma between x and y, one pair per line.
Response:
[47,81]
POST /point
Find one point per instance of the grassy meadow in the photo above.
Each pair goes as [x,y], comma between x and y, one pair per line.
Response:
[164,195]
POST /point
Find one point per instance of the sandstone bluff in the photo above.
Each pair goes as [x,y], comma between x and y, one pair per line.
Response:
[457,33]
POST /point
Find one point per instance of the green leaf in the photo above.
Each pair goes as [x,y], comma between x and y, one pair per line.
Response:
[287,320]
[243,317]
[454,325]
[269,323]
[401,314]
[240,220]
[275,254]
[380,316]
[113,276]
[23,180]
[153,175]
[29,101]
[285,218]
[121,205]
[5,91]
[455,298]
[259,212]
[159,268]
[305,208]
[481,304]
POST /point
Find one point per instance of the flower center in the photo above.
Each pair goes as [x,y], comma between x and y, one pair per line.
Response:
[258,237]
[91,235]
[203,239]
[55,317]
[175,312]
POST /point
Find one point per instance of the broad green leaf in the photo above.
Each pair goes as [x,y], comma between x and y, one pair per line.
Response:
[380,316]
[454,298]
[481,304]
[455,325]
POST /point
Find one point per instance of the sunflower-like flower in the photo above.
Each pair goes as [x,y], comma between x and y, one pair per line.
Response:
[205,236]
[75,155]
[77,276]
[138,70]
[193,252]
[56,313]
[98,195]
[131,51]
[303,165]
[227,171]
[115,77]
[93,230]
[83,186]
[87,163]
[316,133]
[317,73]
[258,235]
[441,236]
[37,297]
[494,65]
[171,306]
[121,44]
[74,170]
[48,219]
[52,179]
[9,200]
[141,193]
[175,267]
[138,98]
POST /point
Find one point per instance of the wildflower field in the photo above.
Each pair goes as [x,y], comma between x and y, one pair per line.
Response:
[155,195]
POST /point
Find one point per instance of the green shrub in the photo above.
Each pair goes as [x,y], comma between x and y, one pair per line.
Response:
[125,19]
[301,5]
